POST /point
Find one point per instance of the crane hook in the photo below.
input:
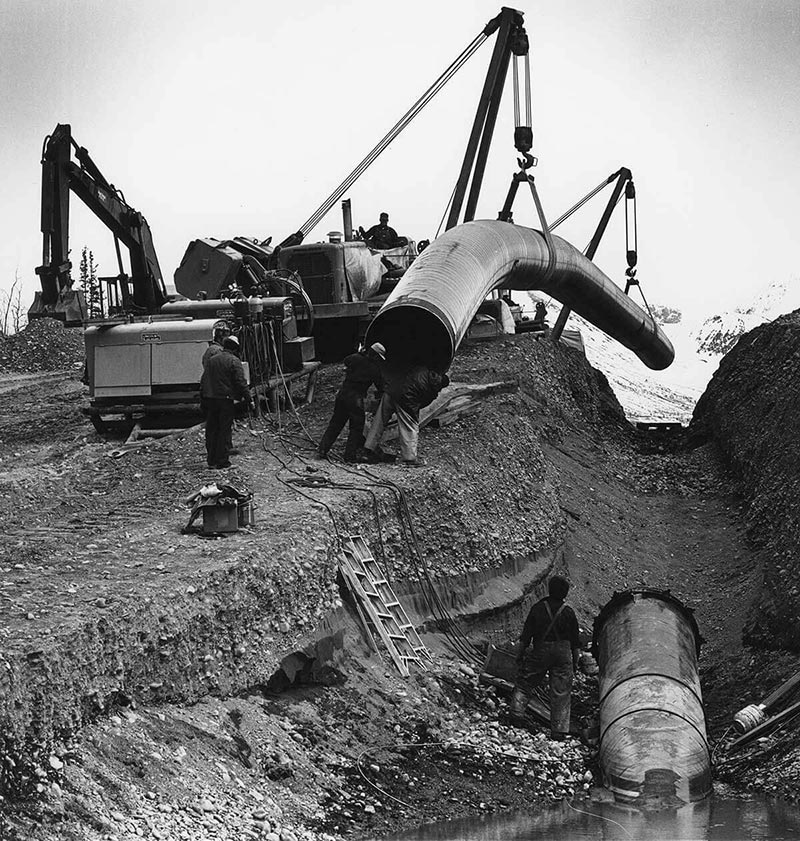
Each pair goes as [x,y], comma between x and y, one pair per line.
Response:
[527,161]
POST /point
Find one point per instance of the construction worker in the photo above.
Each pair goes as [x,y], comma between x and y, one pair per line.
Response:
[222,382]
[552,627]
[383,237]
[406,392]
[362,370]
[540,316]
[221,331]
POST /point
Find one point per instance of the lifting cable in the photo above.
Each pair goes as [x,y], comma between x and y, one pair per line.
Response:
[398,127]
[580,203]
[631,233]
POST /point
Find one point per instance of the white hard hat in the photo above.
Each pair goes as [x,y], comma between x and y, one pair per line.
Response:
[231,340]
[379,349]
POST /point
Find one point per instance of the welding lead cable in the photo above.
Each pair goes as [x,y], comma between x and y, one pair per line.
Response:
[461,645]
[302,493]
[332,485]
[440,612]
[338,486]
[289,392]
[399,126]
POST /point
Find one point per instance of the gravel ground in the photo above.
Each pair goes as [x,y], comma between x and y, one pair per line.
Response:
[146,690]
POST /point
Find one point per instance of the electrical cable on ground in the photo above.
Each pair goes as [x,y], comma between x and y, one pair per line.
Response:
[461,644]
[602,818]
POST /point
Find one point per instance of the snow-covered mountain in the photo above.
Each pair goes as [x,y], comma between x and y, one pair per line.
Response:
[671,395]
[719,333]
[645,395]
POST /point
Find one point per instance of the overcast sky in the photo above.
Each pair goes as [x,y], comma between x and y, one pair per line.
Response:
[238,118]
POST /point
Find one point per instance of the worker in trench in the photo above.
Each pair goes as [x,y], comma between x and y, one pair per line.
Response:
[362,370]
[406,392]
[222,383]
[552,629]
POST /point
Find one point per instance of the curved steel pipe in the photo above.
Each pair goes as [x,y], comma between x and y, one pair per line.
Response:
[653,741]
[427,314]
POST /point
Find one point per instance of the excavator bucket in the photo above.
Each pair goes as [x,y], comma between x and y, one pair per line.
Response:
[70,307]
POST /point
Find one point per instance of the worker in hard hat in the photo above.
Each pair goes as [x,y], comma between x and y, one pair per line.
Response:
[221,332]
[551,631]
[362,370]
[406,392]
[222,383]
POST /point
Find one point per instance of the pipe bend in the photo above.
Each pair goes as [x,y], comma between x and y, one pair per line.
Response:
[456,272]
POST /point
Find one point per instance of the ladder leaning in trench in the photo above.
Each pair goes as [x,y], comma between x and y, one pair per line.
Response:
[379,608]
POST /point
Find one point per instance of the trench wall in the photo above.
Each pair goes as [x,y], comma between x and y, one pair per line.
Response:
[751,410]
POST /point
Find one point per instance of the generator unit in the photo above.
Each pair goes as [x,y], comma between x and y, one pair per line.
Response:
[266,328]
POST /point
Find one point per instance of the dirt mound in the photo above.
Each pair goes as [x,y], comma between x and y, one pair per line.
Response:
[751,409]
[44,345]
[145,670]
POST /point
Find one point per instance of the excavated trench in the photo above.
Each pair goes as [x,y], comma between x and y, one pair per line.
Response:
[131,678]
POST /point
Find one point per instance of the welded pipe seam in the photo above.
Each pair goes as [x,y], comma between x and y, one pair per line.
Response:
[670,678]
[458,270]
[662,711]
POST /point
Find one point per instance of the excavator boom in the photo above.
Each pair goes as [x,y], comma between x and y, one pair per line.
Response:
[144,291]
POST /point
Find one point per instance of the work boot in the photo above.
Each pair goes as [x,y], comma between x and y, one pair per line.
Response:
[519,701]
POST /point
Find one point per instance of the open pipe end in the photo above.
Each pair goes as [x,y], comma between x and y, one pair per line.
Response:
[413,333]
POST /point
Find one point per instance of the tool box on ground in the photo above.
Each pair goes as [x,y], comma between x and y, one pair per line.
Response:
[224,509]
[501,664]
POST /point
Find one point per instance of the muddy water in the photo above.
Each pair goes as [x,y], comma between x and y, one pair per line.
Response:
[715,819]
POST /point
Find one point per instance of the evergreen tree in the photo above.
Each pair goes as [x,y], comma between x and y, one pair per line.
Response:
[83,271]
[90,284]
[96,293]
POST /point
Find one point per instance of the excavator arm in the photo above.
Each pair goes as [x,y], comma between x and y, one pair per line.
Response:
[144,291]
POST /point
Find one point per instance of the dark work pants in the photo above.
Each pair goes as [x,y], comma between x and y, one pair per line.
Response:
[554,658]
[219,425]
[349,406]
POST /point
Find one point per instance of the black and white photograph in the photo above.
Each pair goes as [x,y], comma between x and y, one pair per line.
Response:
[399,420]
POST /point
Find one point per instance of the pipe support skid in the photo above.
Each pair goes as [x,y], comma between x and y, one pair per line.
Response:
[653,743]
[427,314]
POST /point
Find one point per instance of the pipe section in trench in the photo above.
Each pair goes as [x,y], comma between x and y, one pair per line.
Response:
[653,742]
[427,314]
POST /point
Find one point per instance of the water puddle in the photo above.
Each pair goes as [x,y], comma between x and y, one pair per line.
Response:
[714,819]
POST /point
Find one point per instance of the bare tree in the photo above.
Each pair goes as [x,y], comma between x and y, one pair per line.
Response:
[18,315]
[7,302]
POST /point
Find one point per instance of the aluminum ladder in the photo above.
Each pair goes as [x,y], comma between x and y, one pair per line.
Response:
[379,608]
